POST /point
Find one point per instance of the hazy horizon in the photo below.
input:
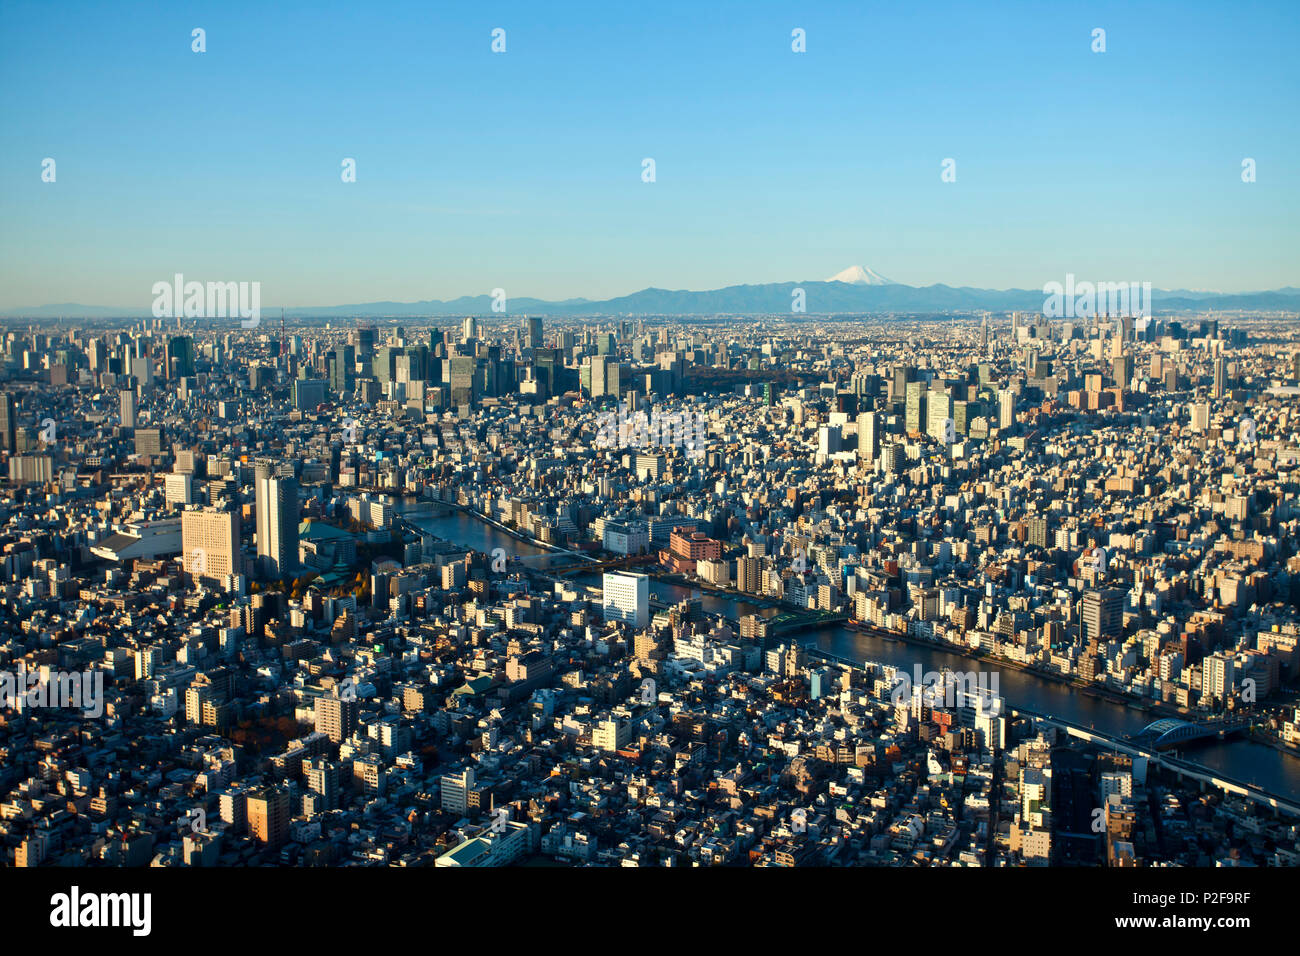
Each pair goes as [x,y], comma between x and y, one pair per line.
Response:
[523,170]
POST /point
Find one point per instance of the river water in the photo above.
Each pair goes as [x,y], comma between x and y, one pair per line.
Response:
[1240,759]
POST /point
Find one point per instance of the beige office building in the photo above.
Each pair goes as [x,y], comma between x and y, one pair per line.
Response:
[210,543]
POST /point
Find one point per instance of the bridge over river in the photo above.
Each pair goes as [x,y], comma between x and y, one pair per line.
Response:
[1169,732]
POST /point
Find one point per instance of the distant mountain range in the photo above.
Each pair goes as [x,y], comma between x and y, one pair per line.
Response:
[855,290]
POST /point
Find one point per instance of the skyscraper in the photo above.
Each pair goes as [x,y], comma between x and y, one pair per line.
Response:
[533,332]
[8,422]
[868,436]
[1006,408]
[461,374]
[180,357]
[938,411]
[277,522]
[342,369]
[915,414]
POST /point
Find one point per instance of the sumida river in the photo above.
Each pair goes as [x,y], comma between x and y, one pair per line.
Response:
[1253,763]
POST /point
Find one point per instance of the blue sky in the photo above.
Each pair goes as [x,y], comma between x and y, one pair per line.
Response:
[522,170]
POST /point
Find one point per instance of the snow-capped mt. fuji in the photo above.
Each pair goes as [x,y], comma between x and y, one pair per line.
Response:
[857,275]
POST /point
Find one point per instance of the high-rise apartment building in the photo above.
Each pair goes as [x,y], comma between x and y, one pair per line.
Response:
[336,717]
[268,815]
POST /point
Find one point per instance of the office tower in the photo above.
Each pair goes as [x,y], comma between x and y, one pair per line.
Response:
[1006,408]
[31,469]
[898,384]
[492,369]
[178,488]
[210,543]
[865,385]
[1122,370]
[627,598]
[276,501]
[1200,416]
[308,393]
[614,379]
[408,365]
[336,717]
[1220,376]
[828,441]
[343,369]
[600,365]
[963,413]
[8,422]
[149,442]
[142,370]
[1103,614]
[180,357]
[868,436]
[268,815]
[546,366]
[938,411]
[97,355]
[469,329]
[367,336]
[190,462]
[532,332]
[461,374]
[915,415]
[384,365]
